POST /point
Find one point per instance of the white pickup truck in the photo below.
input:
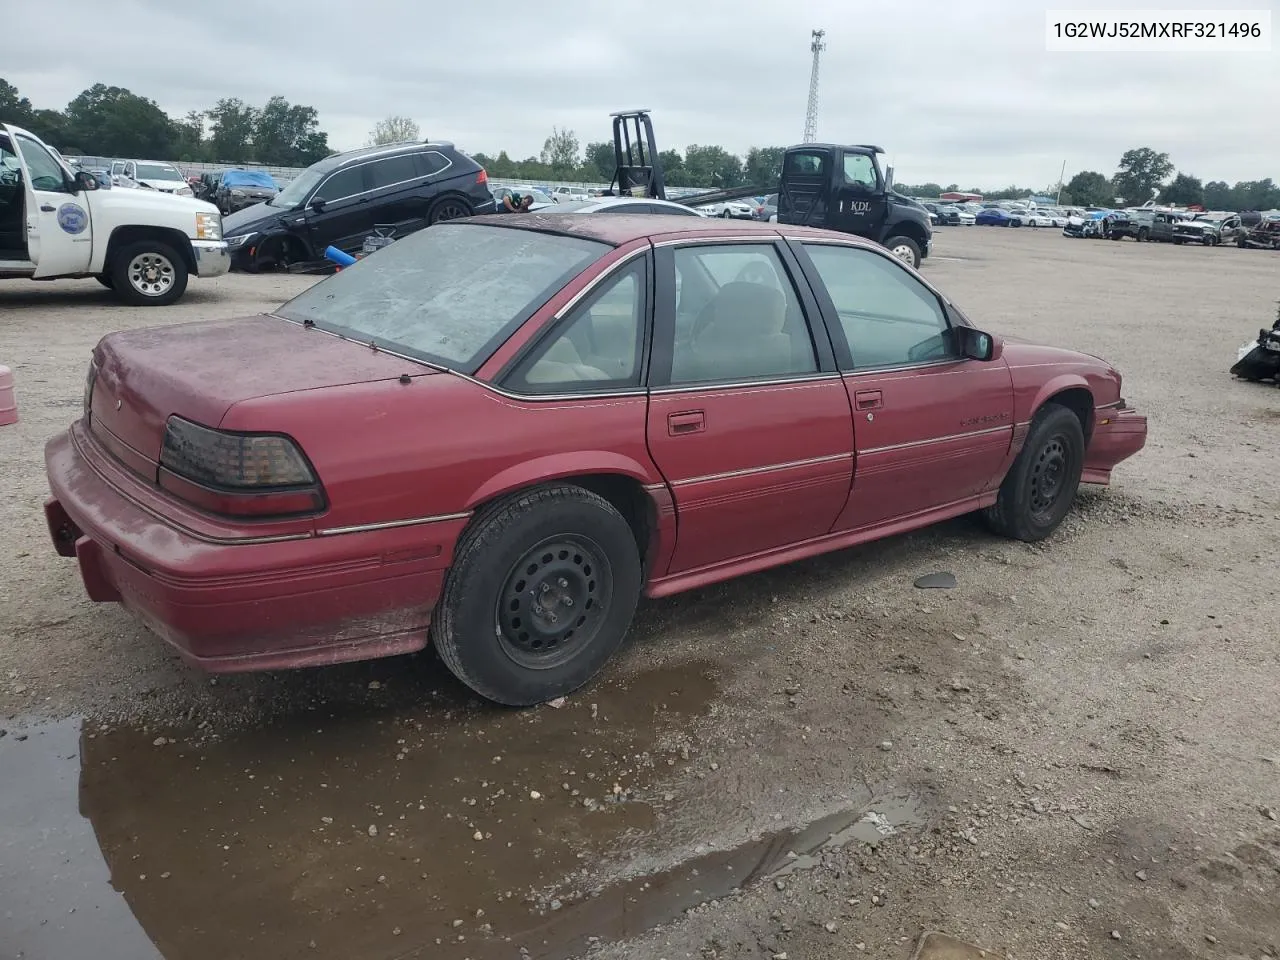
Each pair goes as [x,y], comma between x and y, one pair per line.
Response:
[141,243]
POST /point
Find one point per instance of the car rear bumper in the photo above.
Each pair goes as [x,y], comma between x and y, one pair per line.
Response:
[213,258]
[231,606]
[1117,435]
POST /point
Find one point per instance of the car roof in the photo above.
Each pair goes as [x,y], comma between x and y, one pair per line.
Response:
[620,229]
[389,150]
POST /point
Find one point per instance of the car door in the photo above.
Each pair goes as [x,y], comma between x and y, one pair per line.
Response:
[931,429]
[748,419]
[397,193]
[59,232]
[339,212]
[859,200]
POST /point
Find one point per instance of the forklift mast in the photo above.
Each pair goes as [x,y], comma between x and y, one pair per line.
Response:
[637,166]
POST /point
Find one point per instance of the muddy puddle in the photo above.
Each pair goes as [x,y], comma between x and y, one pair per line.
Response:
[411,832]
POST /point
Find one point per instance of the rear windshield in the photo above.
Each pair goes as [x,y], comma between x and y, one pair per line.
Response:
[449,294]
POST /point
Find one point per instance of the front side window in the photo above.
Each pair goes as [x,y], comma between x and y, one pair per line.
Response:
[889,317]
[449,295]
[859,170]
[46,173]
[599,347]
[343,184]
[738,316]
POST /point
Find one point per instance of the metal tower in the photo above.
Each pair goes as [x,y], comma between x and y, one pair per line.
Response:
[811,115]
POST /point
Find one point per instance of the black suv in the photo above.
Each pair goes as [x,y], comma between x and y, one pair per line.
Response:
[342,199]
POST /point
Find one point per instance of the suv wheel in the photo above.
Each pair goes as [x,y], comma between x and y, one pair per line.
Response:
[447,208]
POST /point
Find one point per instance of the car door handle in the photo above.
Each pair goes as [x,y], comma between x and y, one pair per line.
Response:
[678,424]
[47,208]
[868,399]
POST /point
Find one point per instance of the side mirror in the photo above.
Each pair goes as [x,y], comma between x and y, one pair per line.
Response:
[86,181]
[317,205]
[976,345]
[888,180]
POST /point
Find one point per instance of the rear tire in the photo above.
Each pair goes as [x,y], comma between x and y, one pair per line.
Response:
[542,590]
[1037,492]
[447,208]
[148,273]
[905,249]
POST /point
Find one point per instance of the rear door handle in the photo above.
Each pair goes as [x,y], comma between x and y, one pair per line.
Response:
[678,424]
[868,399]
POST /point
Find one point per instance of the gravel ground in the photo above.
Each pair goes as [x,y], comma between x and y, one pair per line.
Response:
[1080,743]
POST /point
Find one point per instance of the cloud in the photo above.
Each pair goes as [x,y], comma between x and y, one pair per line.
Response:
[955,92]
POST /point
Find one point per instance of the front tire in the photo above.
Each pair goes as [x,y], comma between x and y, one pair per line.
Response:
[148,273]
[542,590]
[1037,492]
[905,249]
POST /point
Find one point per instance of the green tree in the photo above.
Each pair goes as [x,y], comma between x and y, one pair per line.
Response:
[1141,172]
[673,170]
[1255,195]
[560,152]
[52,127]
[763,166]
[231,129]
[502,166]
[13,108]
[190,130]
[712,166]
[1217,195]
[1183,189]
[394,130]
[113,121]
[1088,188]
[599,160]
[288,134]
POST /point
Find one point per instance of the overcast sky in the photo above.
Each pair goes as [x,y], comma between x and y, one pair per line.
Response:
[956,92]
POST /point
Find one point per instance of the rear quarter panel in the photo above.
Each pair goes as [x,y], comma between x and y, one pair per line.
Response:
[442,444]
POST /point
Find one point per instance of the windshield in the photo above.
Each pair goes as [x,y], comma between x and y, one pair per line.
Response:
[297,189]
[248,178]
[448,295]
[157,171]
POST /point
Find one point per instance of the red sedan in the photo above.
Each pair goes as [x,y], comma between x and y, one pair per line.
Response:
[500,432]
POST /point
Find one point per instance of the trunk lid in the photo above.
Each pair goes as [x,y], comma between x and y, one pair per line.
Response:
[200,370]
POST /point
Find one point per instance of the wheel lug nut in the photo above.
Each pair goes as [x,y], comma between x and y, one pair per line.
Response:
[537,609]
[568,601]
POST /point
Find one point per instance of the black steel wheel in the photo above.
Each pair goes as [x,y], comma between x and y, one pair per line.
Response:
[448,208]
[542,590]
[554,601]
[1037,491]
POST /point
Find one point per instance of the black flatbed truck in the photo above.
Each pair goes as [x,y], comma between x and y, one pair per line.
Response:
[835,186]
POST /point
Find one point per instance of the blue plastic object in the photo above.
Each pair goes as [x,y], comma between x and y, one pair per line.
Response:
[338,257]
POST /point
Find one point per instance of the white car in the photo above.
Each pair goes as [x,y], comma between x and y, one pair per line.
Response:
[141,244]
[569,194]
[1039,218]
[163,177]
[735,209]
[627,205]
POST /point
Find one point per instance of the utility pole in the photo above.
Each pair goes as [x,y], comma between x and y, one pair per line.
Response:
[816,46]
[1058,199]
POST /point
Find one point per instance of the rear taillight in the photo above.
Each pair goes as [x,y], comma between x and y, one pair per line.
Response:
[482,176]
[238,474]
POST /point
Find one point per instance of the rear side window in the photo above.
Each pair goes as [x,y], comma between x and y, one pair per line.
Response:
[431,162]
[392,171]
[449,295]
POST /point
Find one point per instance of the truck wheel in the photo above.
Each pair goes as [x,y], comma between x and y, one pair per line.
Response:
[905,249]
[1143,235]
[542,591]
[148,273]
